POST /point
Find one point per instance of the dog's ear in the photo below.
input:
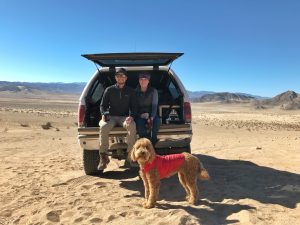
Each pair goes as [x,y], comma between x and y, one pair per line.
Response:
[131,154]
[151,150]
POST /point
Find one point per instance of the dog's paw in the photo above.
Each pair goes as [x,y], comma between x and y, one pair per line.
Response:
[192,201]
[148,205]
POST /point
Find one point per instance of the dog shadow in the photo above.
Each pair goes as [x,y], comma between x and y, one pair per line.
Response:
[230,179]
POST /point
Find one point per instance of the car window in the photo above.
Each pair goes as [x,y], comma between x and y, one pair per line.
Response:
[97,92]
[173,90]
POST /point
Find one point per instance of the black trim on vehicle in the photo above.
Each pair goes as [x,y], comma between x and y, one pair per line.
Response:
[133,59]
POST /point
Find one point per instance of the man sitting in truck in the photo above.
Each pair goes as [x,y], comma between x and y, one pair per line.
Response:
[118,108]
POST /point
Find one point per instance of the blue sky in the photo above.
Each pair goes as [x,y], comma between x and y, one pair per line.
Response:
[250,46]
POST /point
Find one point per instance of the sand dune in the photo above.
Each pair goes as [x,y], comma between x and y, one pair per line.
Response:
[252,156]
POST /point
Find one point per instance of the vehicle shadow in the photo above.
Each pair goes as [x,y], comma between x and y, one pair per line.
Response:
[230,179]
[118,175]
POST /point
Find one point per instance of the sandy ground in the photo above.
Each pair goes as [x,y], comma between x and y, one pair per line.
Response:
[253,157]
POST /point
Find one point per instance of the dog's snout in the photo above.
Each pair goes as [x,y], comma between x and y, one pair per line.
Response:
[142,153]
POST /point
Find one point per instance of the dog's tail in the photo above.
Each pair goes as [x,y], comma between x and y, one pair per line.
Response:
[203,174]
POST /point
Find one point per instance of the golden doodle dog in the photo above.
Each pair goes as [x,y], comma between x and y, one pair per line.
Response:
[154,167]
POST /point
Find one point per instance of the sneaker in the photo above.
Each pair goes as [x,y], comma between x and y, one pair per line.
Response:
[104,160]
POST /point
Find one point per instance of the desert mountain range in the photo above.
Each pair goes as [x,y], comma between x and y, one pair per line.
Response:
[28,87]
[285,100]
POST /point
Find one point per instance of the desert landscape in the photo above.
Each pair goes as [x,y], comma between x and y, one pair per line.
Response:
[252,155]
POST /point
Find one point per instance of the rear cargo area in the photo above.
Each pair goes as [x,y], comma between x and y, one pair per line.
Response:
[170,104]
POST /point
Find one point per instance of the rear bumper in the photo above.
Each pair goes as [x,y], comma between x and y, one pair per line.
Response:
[169,136]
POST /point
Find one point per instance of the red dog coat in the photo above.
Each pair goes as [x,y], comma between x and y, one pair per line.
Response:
[165,164]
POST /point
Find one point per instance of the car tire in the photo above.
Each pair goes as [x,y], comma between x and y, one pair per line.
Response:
[91,160]
[188,149]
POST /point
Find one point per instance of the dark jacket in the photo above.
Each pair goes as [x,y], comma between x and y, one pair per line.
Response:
[119,102]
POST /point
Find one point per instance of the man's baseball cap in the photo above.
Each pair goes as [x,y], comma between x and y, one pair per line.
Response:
[121,71]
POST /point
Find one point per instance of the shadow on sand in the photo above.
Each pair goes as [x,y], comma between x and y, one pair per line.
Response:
[119,175]
[235,179]
[230,179]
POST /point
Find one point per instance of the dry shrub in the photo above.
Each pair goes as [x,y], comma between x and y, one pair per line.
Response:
[46,126]
[24,125]
[5,130]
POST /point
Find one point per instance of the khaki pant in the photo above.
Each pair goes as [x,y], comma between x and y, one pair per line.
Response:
[106,127]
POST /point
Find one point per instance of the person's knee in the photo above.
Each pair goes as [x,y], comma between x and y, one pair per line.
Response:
[131,126]
[105,127]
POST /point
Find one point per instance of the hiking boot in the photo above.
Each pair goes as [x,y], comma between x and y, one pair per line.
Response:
[104,160]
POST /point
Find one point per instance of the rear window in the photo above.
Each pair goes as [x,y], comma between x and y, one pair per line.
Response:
[173,90]
[96,92]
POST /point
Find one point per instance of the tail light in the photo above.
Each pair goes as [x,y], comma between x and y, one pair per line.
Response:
[187,112]
[81,115]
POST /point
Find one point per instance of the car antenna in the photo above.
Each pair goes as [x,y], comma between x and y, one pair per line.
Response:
[170,66]
[97,67]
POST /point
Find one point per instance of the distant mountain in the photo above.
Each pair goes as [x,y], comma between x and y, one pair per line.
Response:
[14,88]
[254,96]
[28,87]
[225,97]
[285,97]
[198,94]
[286,100]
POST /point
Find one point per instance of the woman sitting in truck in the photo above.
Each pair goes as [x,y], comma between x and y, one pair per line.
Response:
[147,120]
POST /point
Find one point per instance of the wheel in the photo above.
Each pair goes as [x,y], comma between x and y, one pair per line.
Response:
[188,149]
[173,150]
[91,160]
[131,165]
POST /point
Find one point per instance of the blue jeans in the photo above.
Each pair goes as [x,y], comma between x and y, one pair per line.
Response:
[142,131]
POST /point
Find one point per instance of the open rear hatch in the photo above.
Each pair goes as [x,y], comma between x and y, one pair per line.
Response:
[133,59]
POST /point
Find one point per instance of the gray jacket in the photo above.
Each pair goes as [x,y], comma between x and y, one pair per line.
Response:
[147,102]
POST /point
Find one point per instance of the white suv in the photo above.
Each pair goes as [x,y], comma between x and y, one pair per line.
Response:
[174,107]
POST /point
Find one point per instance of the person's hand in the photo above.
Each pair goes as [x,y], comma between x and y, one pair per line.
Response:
[128,119]
[149,124]
[145,116]
[105,116]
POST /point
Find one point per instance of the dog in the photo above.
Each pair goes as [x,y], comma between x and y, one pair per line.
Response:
[154,167]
